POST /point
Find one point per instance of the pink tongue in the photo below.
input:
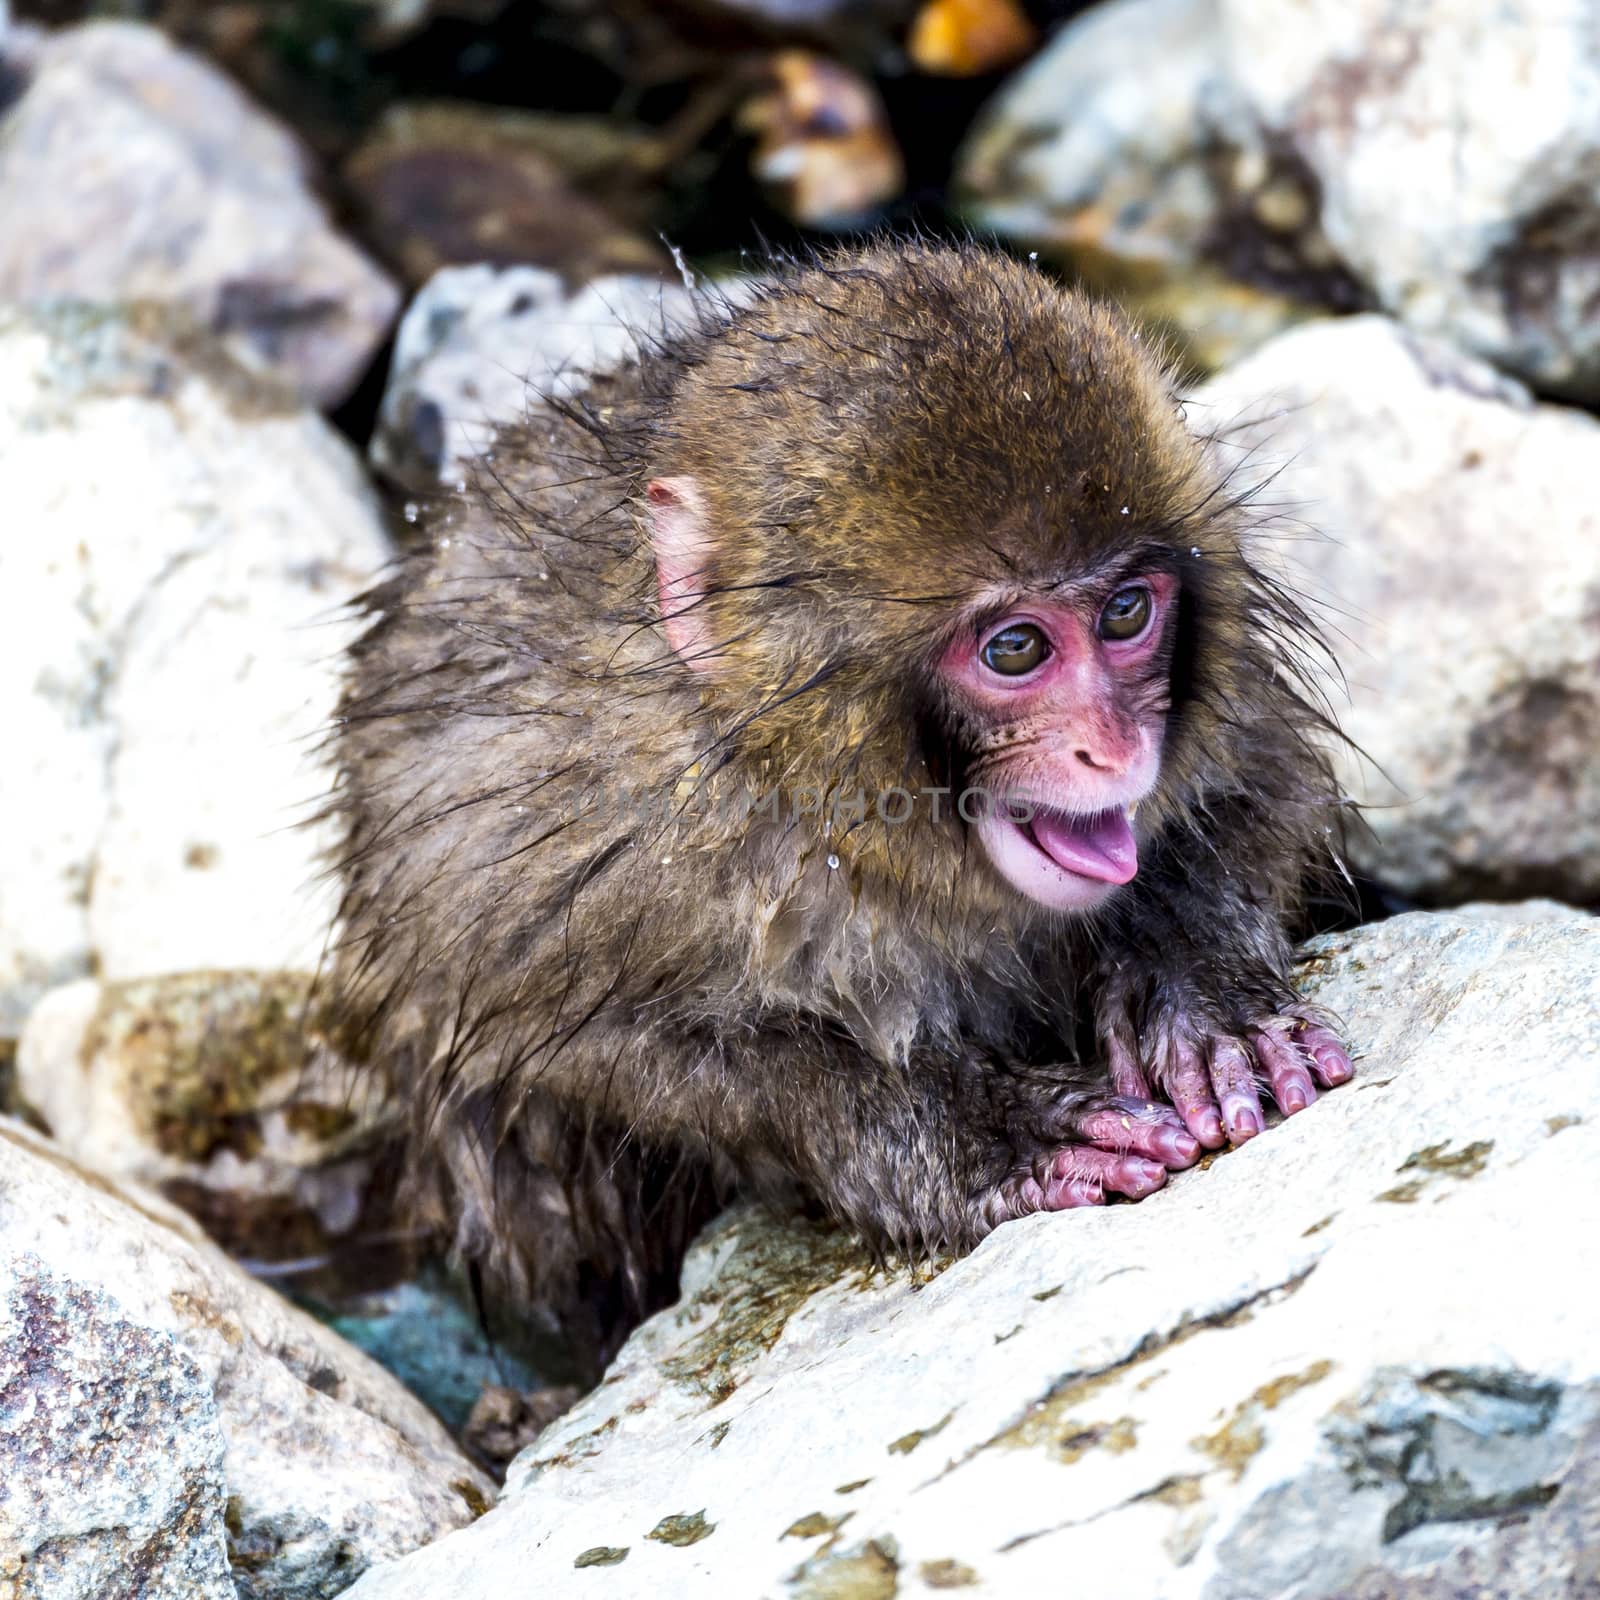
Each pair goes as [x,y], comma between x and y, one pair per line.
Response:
[1100,847]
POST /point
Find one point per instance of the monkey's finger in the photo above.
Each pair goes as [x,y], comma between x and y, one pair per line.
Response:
[1127,1075]
[1140,1127]
[1285,1068]
[1188,1086]
[1079,1169]
[1329,1059]
[1233,1083]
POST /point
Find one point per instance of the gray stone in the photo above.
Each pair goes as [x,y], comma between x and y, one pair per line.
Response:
[173,1428]
[478,342]
[144,174]
[1354,1357]
[178,547]
[112,1451]
[1452,529]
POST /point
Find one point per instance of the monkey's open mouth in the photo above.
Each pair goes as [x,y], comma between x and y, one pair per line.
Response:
[1061,860]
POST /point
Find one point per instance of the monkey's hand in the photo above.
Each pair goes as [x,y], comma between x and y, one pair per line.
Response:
[1213,1071]
[1123,1144]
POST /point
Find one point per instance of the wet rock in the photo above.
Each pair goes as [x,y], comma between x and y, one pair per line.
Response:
[217,1089]
[179,543]
[237,1446]
[477,341]
[1352,1355]
[450,185]
[505,1421]
[145,175]
[1453,528]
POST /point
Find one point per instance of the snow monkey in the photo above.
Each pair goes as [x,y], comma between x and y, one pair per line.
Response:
[848,752]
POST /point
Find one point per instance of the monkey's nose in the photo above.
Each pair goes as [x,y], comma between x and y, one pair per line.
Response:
[1089,759]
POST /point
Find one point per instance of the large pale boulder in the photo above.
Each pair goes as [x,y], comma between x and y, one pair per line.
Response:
[1355,1357]
[1437,158]
[1451,530]
[175,1429]
[144,174]
[178,547]
[1455,146]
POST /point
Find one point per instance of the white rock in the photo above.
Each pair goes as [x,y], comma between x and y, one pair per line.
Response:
[1079,152]
[144,174]
[1439,158]
[1456,144]
[477,342]
[1460,561]
[1360,1348]
[167,1416]
[177,549]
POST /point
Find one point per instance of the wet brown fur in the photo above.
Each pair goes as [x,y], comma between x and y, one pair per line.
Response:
[598,1022]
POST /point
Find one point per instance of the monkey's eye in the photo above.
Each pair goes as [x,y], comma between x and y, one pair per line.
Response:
[1127,613]
[1015,650]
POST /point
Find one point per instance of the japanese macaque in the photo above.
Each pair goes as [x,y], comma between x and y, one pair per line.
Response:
[850,753]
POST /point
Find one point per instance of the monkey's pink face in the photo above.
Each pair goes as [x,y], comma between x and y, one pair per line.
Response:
[1068,700]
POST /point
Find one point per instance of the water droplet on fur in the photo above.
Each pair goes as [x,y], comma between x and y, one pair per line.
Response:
[444,544]
[1194,550]
[1027,396]
[1033,255]
[412,511]
[1124,511]
[833,863]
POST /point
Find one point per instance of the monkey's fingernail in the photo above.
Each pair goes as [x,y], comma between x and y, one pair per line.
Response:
[1294,1098]
[1335,1068]
[1207,1127]
[1246,1125]
[1178,1148]
[1142,1176]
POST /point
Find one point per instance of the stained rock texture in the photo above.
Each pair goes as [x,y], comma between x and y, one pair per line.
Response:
[215,1088]
[178,545]
[1436,157]
[144,174]
[477,340]
[1453,529]
[170,1428]
[1349,1359]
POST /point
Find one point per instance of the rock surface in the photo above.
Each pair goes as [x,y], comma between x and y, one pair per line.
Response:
[1456,148]
[476,341]
[237,1446]
[1349,1359]
[1438,158]
[178,545]
[1460,564]
[216,1089]
[146,175]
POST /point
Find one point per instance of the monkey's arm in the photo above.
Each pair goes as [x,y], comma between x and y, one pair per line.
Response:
[930,1153]
[1196,1003]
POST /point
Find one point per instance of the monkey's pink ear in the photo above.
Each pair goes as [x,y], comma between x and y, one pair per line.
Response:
[682,543]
